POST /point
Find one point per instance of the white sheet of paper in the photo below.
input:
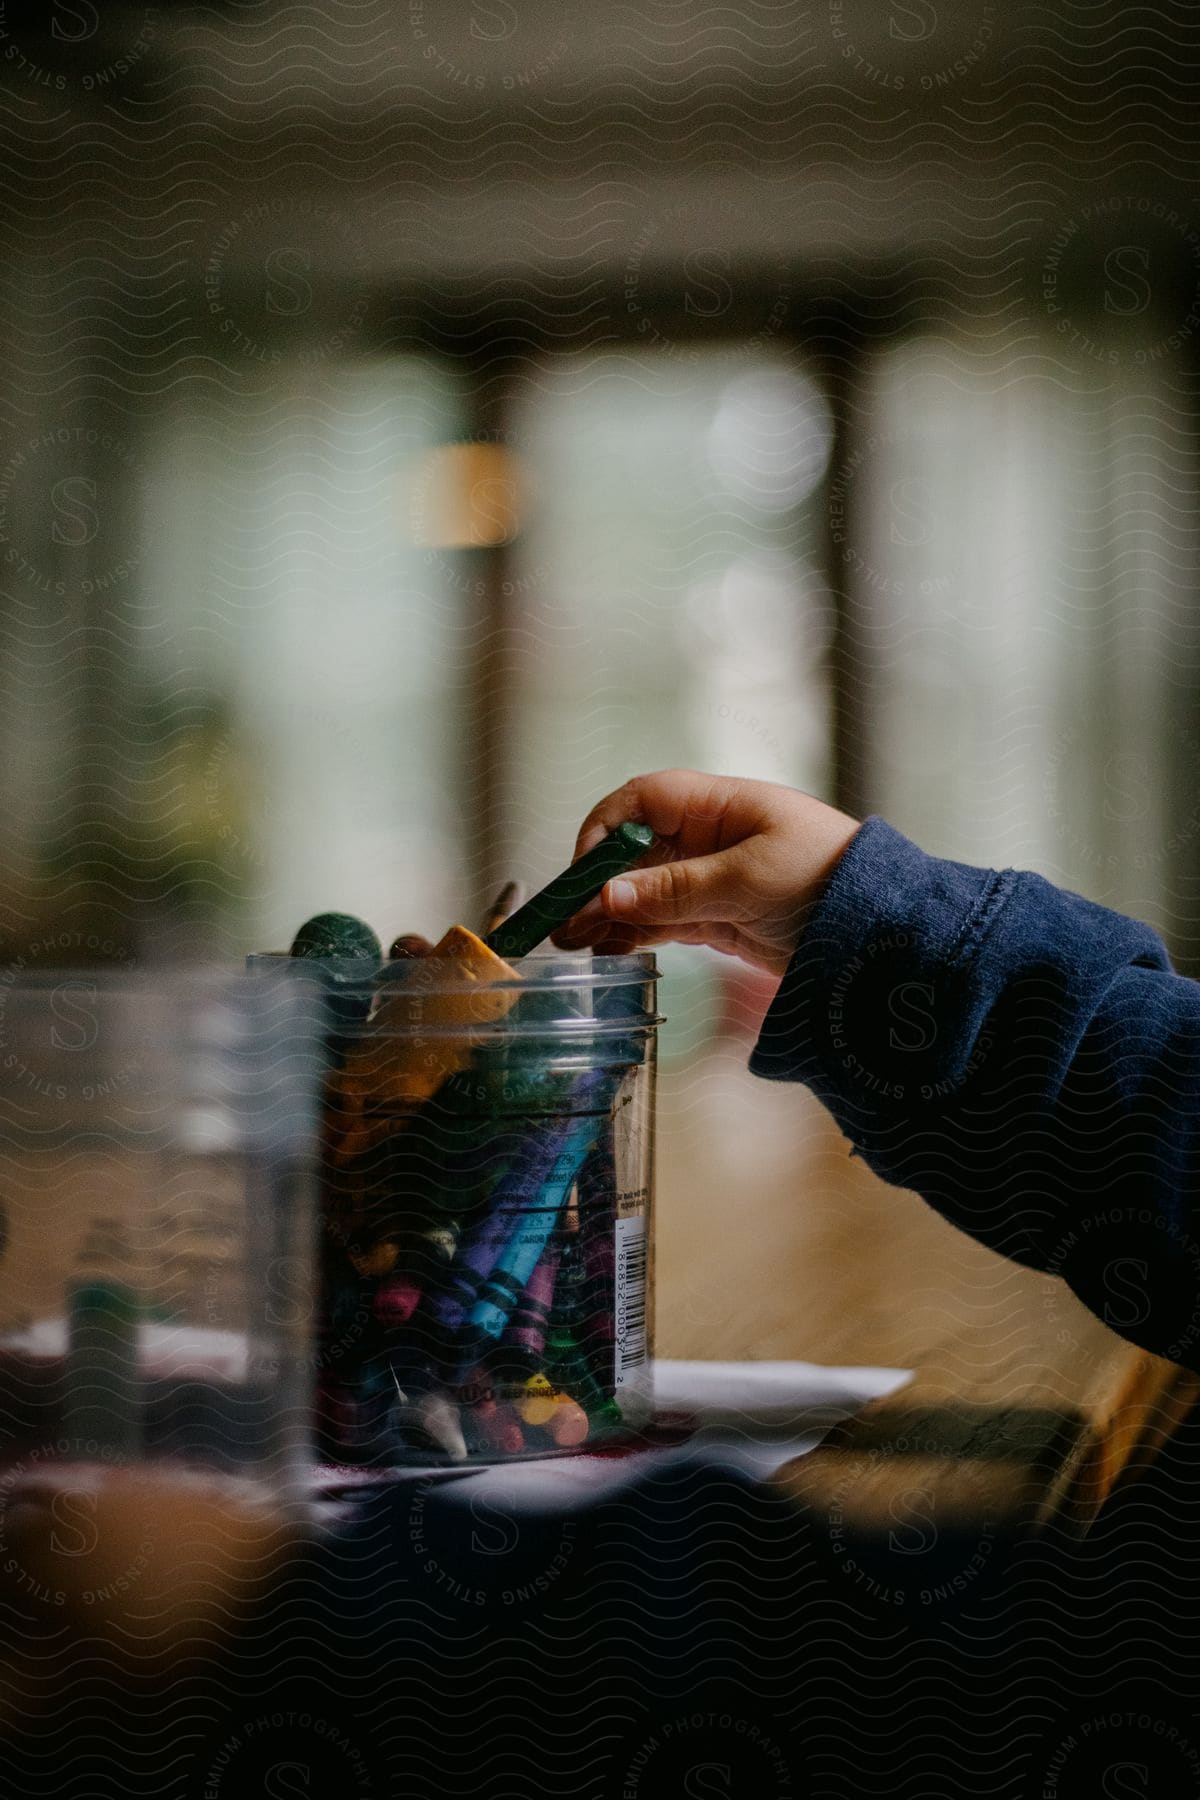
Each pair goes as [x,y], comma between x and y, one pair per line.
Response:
[749,1417]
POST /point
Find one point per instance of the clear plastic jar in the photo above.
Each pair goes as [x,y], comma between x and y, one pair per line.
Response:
[486,1203]
[155,1221]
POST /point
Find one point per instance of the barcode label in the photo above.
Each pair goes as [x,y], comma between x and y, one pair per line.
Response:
[630,1299]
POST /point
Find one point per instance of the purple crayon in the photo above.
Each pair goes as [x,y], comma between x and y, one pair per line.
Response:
[525,1204]
[473,1262]
[527,1327]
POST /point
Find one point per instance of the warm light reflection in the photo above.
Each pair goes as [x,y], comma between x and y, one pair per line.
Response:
[466,497]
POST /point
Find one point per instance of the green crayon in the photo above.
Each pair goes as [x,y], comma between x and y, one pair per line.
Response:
[103,1388]
[337,937]
[568,1368]
[349,952]
[570,891]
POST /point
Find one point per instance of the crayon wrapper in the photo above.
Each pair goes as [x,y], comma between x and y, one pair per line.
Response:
[525,1208]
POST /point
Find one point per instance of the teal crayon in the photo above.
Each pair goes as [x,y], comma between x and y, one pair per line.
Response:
[522,1210]
[531,1231]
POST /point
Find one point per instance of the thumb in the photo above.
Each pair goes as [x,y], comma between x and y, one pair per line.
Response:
[672,892]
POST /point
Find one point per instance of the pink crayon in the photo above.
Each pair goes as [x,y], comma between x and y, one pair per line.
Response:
[396,1300]
[570,1425]
[526,1330]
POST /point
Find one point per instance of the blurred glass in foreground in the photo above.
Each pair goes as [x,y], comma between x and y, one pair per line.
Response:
[157,1220]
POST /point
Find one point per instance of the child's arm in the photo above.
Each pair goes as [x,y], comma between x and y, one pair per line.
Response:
[1025,1060]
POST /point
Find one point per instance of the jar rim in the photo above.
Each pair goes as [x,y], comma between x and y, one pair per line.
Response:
[548,1031]
[534,974]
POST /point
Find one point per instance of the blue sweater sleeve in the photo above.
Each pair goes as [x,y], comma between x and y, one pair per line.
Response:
[1024,1059]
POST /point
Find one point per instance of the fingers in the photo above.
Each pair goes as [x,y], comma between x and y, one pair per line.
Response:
[624,803]
[688,880]
[609,939]
[673,802]
[589,925]
[735,865]
[665,898]
[674,893]
[409,946]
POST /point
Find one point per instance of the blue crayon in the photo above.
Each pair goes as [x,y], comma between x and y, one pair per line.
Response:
[526,1201]
[532,1183]
[479,1248]
[529,1237]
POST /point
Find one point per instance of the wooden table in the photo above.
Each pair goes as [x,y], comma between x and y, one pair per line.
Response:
[774,1242]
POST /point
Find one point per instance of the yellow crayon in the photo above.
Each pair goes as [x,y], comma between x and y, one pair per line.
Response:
[540,1403]
[380,1259]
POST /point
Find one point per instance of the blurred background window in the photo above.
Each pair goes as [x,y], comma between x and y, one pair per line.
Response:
[325,630]
[667,600]
[1015,548]
[303,651]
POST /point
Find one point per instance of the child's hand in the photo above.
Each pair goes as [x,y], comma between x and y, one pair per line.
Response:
[737,866]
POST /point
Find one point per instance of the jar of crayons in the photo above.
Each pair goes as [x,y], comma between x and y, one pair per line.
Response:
[486,1185]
